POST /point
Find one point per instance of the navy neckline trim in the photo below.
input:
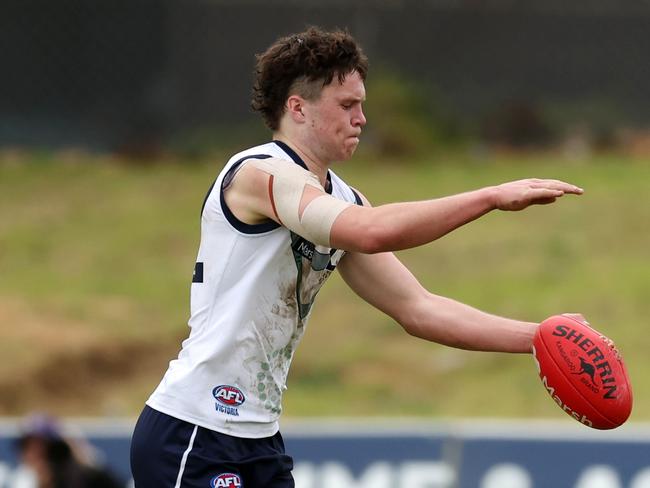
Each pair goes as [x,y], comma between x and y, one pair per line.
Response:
[298,160]
[292,154]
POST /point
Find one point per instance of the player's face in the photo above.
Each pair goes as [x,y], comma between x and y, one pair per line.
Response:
[335,120]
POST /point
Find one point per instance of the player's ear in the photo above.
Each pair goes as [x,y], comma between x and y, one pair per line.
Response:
[295,108]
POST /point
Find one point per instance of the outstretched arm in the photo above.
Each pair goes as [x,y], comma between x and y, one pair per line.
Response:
[399,226]
[384,282]
[275,189]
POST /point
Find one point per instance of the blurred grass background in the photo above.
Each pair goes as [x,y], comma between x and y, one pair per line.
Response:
[116,117]
[96,258]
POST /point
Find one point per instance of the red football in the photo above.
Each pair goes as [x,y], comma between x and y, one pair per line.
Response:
[583,372]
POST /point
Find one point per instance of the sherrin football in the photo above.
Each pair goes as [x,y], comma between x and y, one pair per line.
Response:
[583,372]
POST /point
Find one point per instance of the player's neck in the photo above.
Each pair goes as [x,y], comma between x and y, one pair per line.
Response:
[319,168]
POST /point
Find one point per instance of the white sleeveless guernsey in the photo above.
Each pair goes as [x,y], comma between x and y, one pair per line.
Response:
[251,296]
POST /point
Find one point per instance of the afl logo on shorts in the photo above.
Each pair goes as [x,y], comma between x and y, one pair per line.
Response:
[226,480]
[228,395]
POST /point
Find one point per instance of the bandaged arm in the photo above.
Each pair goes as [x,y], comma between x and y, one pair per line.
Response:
[288,188]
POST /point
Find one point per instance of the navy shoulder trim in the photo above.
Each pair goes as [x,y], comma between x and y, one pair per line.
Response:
[230,217]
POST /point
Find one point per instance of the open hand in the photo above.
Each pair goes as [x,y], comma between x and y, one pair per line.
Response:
[517,195]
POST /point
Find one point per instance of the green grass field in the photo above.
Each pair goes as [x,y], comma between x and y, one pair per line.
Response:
[96,259]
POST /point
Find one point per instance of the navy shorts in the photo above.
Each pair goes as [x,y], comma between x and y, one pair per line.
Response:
[170,453]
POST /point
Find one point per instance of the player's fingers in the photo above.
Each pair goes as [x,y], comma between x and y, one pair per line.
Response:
[577,316]
[557,185]
[539,194]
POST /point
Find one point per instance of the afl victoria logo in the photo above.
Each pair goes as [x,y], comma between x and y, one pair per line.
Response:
[226,480]
[229,396]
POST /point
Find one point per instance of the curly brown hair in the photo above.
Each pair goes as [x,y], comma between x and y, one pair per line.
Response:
[303,63]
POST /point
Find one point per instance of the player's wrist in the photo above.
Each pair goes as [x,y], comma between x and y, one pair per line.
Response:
[490,197]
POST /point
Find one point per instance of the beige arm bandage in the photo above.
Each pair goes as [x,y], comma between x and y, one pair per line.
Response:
[287,184]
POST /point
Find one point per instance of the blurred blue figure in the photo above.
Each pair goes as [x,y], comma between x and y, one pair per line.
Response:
[49,460]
